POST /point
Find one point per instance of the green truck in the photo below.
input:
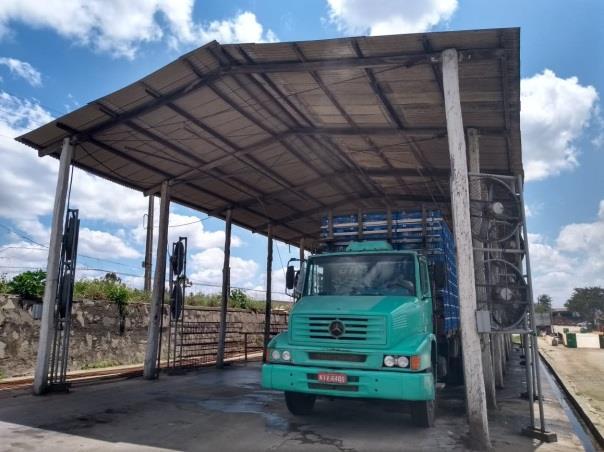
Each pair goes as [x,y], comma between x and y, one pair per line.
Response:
[375,318]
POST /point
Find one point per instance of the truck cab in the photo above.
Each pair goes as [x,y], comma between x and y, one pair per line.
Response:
[362,328]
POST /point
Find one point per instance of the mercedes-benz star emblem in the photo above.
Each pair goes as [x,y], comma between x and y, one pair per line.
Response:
[336,328]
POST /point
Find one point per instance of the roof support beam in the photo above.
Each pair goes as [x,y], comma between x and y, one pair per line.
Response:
[352,63]
[168,176]
[248,160]
[279,100]
[355,199]
[407,60]
[395,172]
[331,147]
[503,67]
[225,98]
[395,118]
[317,78]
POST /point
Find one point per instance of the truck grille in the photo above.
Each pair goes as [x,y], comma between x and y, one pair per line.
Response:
[370,330]
[345,357]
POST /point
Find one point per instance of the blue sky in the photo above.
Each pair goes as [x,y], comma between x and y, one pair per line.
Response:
[55,57]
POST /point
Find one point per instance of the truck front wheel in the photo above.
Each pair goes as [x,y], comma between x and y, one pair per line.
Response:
[299,404]
[423,413]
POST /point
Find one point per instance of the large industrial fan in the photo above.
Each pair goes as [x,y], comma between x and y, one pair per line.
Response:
[495,209]
[507,294]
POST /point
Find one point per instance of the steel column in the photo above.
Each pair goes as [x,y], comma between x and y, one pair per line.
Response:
[269,270]
[149,245]
[226,282]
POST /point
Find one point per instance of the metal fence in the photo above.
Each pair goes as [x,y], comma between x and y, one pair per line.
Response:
[195,344]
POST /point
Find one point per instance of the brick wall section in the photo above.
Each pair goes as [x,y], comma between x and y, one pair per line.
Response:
[95,334]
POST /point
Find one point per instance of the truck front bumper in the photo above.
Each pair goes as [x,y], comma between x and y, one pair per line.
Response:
[374,384]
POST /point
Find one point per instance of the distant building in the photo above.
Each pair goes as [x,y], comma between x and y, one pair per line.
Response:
[562,316]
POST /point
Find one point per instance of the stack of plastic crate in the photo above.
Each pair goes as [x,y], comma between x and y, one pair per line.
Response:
[424,231]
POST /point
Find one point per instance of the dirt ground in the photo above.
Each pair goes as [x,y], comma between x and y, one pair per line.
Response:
[582,371]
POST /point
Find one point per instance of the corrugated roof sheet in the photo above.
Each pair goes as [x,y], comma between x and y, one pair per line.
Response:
[282,132]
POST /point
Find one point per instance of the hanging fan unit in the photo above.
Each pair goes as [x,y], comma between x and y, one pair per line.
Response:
[495,209]
[507,294]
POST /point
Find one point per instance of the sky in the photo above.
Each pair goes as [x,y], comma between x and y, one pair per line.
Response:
[58,55]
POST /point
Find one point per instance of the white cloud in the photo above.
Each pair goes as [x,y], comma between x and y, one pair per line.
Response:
[206,267]
[555,112]
[382,17]
[242,28]
[189,226]
[104,245]
[29,181]
[575,259]
[21,255]
[120,27]
[23,69]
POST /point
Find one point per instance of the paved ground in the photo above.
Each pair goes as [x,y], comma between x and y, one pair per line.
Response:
[224,411]
[582,371]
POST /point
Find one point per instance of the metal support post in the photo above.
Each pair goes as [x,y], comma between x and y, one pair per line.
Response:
[226,283]
[479,270]
[460,201]
[47,328]
[301,251]
[159,282]
[268,308]
[149,245]
[532,337]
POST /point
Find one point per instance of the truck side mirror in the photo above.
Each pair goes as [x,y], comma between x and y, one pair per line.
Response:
[290,277]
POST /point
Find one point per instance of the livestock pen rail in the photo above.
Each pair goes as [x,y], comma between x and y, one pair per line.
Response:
[195,343]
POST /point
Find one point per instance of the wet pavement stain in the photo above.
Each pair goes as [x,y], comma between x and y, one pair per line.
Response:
[308,437]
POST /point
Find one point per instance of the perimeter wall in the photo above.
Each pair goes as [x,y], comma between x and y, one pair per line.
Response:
[95,339]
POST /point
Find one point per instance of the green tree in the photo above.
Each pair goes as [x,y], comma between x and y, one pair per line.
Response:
[544,303]
[239,299]
[588,302]
[28,284]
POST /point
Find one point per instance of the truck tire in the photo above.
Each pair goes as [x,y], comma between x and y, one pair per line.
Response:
[423,413]
[299,404]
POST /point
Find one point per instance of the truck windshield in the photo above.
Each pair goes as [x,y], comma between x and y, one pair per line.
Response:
[370,274]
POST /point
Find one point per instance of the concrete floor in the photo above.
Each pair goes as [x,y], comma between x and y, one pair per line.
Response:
[227,410]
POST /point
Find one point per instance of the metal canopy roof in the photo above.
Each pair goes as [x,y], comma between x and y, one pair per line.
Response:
[282,132]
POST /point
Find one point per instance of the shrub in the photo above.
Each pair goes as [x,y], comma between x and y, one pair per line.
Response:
[119,294]
[4,287]
[28,284]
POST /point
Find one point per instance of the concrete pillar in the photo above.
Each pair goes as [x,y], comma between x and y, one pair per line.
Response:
[226,284]
[269,270]
[159,282]
[497,360]
[460,202]
[485,339]
[47,324]
[149,245]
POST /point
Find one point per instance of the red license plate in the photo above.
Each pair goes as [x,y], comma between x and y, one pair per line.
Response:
[339,379]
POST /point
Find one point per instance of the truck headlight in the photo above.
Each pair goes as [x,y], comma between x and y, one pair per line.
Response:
[286,356]
[388,361]
[402,361]
[275,355]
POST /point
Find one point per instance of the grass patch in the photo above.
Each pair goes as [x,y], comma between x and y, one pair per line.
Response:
[238,299]
[101,364]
